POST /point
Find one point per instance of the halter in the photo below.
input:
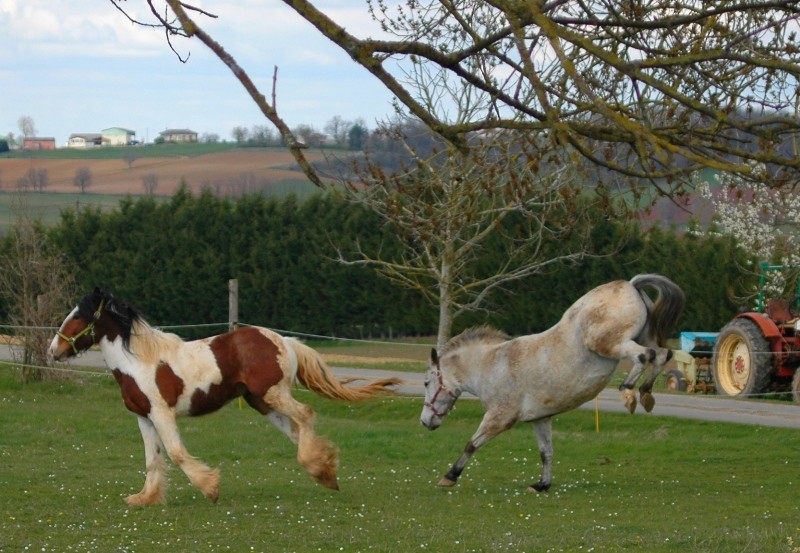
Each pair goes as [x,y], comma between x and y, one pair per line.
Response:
[439,389]
[89,329]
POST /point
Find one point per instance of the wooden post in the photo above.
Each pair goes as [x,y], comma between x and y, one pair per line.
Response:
[233,304]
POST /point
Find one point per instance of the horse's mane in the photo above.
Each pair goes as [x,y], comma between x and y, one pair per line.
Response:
[147,341]
[484,334]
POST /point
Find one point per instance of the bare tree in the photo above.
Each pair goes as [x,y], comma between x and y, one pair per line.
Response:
[129,155]
[26,126]
[38,285]
[150,183]
[209,138]
[261,135]
[448,208]
[35,180]
[337,128]
[525,96]
[239,134]
[308,135]
[83,178]
[672,86]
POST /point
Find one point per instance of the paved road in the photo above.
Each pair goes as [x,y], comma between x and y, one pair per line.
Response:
[688,406]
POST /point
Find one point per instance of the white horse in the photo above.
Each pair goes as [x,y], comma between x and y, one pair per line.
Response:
[532,378]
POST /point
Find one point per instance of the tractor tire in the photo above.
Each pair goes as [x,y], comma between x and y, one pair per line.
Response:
[796,386]
[675,381]
[742,361]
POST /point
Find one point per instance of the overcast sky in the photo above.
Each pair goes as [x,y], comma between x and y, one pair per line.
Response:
[79,66]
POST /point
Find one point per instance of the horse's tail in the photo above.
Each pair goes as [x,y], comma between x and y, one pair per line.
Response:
[314,374]
[664,313]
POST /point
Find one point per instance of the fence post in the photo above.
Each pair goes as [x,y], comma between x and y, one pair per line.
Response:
[233,304]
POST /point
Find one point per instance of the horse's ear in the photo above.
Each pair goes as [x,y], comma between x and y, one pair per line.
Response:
[434,357]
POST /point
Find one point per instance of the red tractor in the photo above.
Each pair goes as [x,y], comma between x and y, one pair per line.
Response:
[759,351]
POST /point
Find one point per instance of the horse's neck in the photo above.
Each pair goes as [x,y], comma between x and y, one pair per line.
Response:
[148,346]
[474,368]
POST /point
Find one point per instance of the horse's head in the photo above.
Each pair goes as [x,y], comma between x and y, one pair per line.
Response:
[96,316]
[440,394]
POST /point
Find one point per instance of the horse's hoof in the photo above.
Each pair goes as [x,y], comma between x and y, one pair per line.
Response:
[538,487]
[329,481]
[446,483]
[142,499]
[629,399]
[212,494]
[648,401]
[210,487]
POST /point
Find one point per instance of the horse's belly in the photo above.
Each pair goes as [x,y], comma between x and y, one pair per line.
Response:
[556,395]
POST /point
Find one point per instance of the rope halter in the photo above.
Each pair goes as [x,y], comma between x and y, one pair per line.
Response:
[88,329]
[440,387]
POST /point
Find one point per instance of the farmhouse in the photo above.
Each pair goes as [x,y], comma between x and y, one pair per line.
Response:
[117,136]
[178,135]
[34,143]
[84,140]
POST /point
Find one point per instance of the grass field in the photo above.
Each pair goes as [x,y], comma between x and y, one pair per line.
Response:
[222,168]
[116,152]
[47,208]
[70,453]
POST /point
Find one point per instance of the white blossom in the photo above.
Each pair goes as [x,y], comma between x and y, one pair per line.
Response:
[765,222]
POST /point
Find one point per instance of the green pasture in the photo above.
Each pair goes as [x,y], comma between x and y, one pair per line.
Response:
[47,207]
[70,453]
[116,152]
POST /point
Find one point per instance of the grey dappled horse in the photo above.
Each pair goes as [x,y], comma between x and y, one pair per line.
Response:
[532,378]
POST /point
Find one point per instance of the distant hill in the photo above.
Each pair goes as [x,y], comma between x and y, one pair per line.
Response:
[119,172]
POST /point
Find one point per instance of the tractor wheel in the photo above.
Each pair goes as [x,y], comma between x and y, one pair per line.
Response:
[796,386]
[742,360]
[674,381]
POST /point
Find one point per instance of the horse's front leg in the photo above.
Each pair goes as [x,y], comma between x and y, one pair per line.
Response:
[155,482]
[491,425]
[543,428]
[199,474]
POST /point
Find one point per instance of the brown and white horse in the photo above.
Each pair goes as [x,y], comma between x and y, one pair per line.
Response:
[162,377]
[532,378]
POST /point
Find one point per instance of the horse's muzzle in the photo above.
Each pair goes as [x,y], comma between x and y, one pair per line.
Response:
[431,423]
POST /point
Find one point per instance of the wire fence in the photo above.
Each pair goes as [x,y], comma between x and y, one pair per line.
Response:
[9,333]
[8,341]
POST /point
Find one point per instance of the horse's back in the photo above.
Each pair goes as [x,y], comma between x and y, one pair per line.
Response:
[604,317]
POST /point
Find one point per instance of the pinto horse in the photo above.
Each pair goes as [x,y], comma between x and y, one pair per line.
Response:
[532,378]
[162,377]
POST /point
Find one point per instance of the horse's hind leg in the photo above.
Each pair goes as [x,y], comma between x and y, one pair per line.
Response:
[199,474]
[654,356]
[662,356]
[544,437]
[155,483]
[640,361]
[317,455]
[491,425]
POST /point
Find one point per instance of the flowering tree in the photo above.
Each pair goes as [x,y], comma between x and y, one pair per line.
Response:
[764,221]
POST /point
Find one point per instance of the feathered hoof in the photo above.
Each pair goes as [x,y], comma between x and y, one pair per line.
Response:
[629,400]
[143,499]
[446,483]
[328,480]
[648,401]
[209,485]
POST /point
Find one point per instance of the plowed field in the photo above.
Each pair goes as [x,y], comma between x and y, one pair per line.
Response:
[115,176]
